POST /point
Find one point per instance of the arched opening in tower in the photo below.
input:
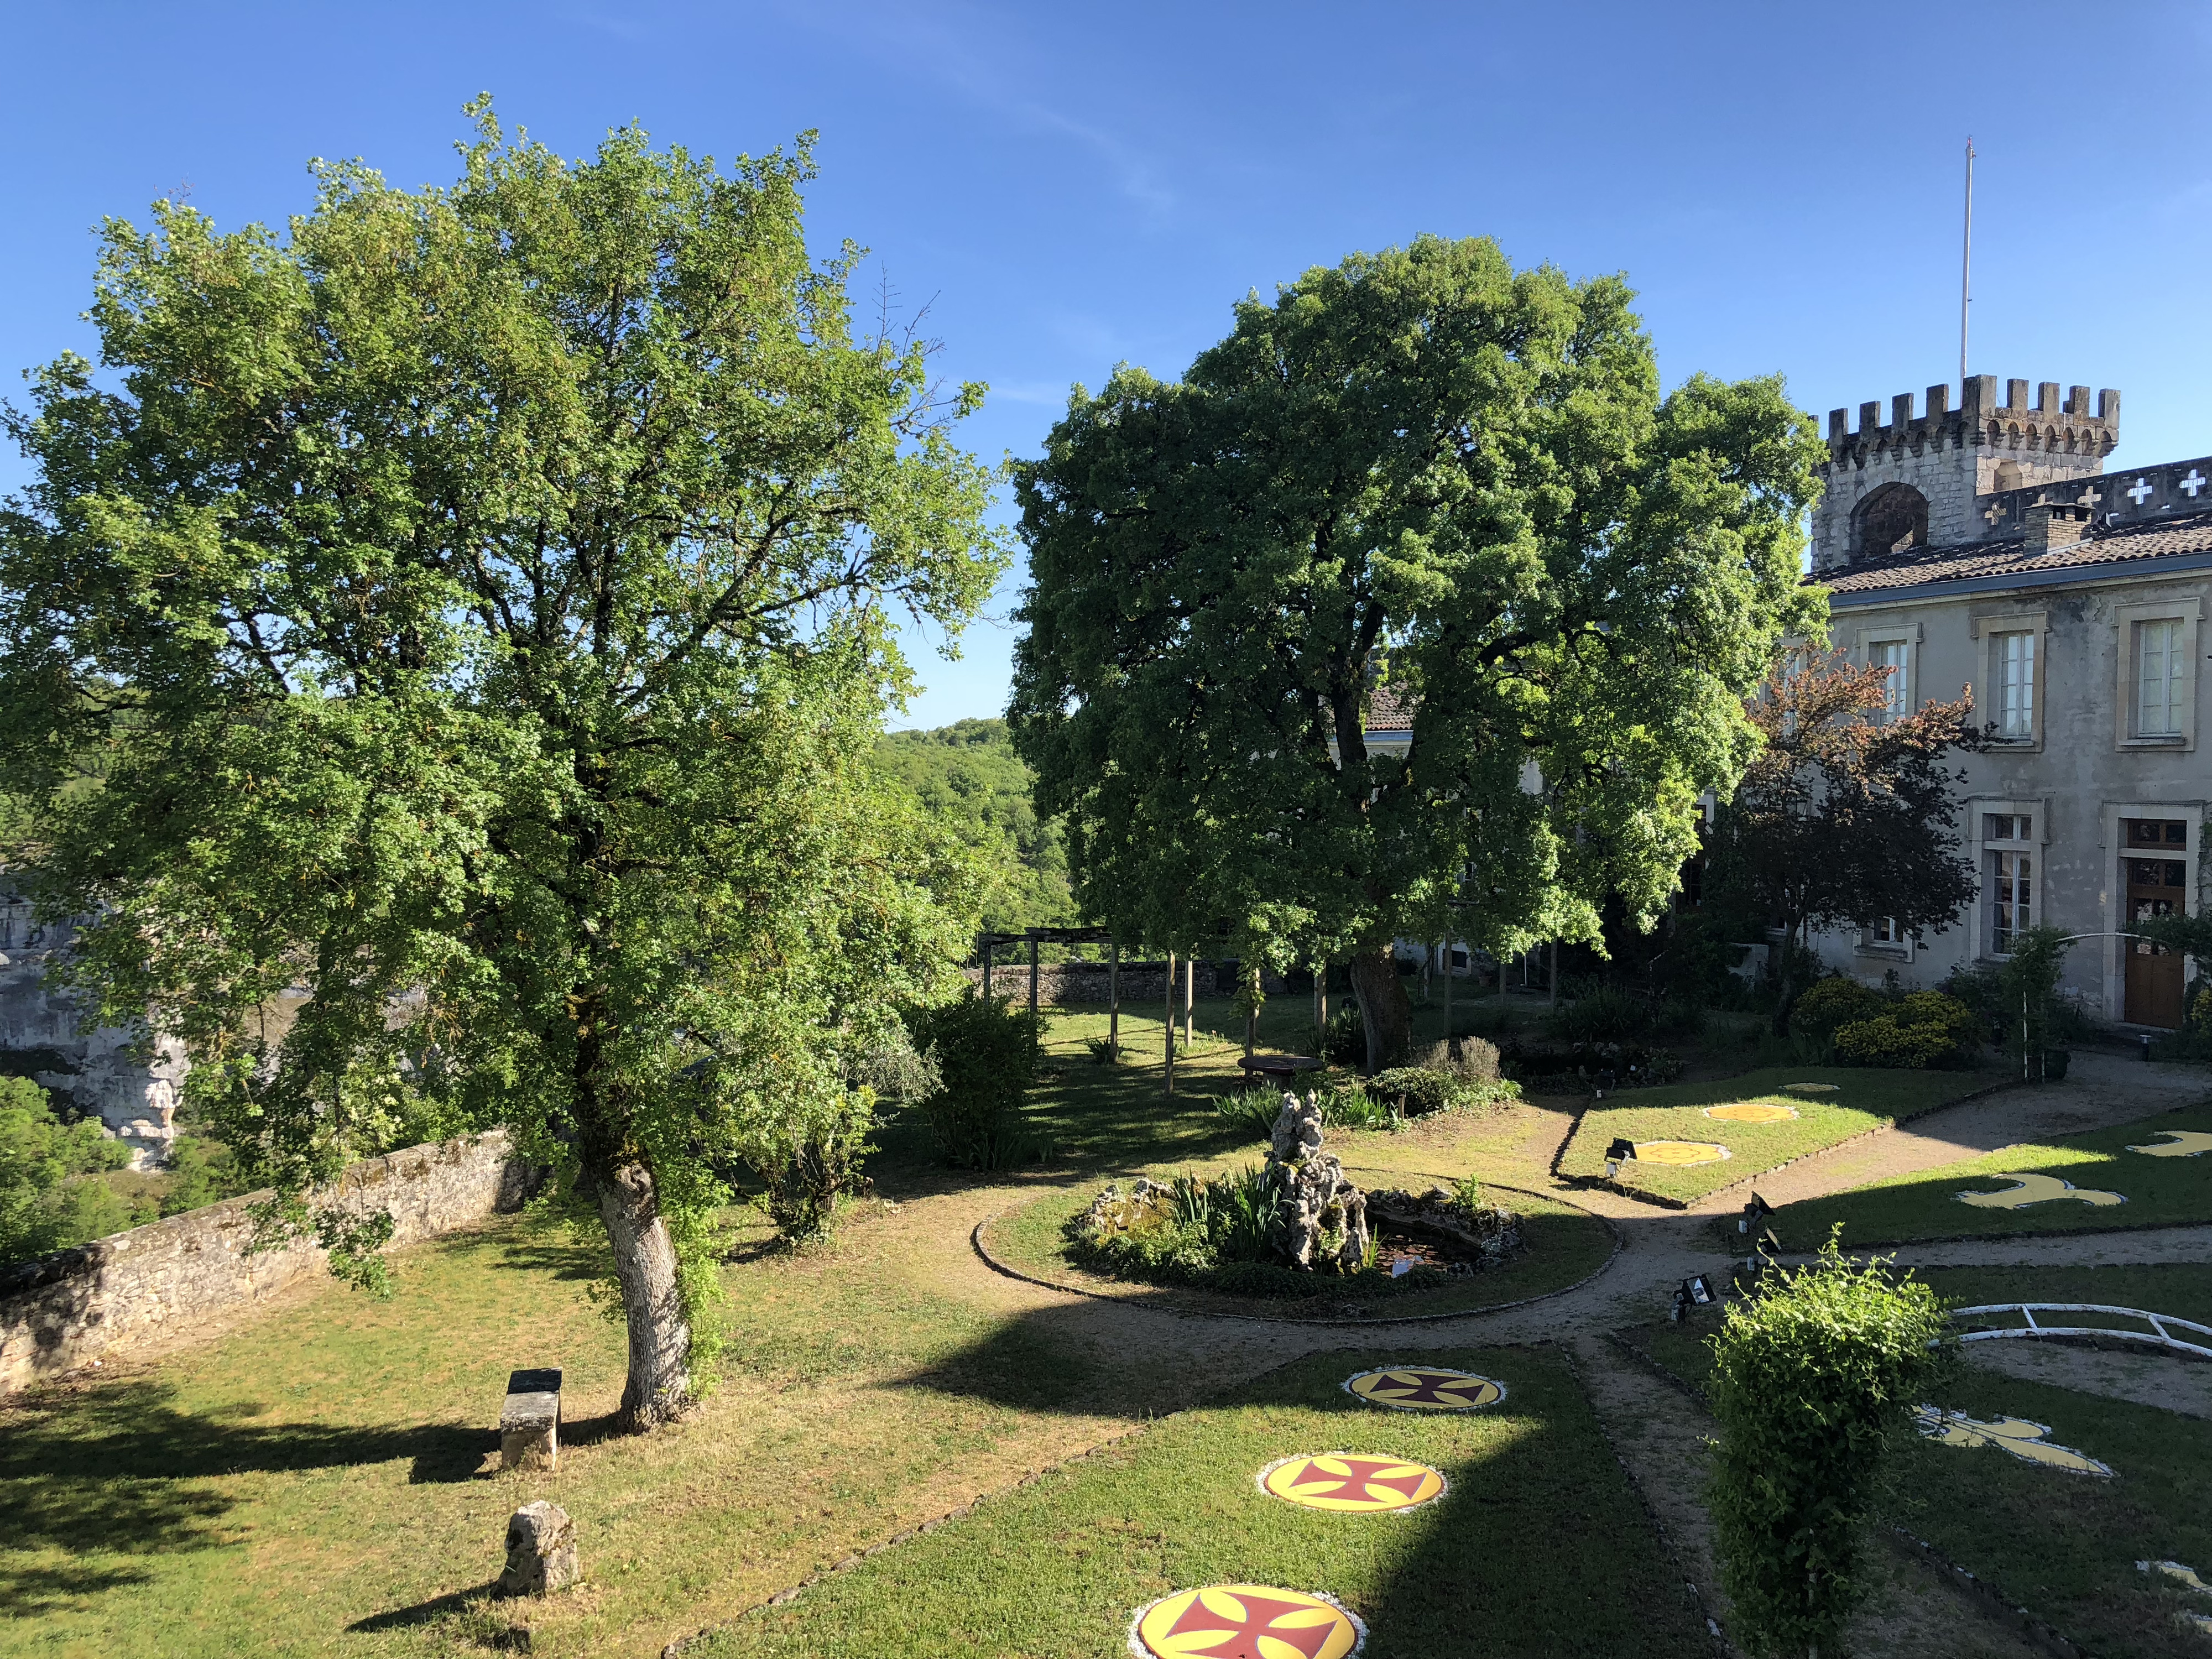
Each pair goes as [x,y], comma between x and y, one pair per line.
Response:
[1892,520]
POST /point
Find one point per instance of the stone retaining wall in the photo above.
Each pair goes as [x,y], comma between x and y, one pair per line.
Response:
[156,1286]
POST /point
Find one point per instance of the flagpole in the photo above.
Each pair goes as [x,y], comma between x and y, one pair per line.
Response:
[1966,270]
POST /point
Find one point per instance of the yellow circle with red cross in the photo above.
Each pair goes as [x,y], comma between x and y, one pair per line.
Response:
[1679,1151]
[1425,1389]
[1350,1483]
[1245,1621]
[1752,1111]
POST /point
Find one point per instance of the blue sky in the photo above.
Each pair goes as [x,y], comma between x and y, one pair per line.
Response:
[1072,186]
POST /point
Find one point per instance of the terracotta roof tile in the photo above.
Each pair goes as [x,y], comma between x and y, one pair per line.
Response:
[2122,544]
[1390,709]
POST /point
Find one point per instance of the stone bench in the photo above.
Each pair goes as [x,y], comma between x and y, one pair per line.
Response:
[530,1421]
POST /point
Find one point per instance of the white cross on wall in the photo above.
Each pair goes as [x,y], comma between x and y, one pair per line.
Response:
[2193,482]
[2140,491]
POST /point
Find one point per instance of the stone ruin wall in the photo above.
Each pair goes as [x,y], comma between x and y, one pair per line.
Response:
[156,1287]
[128,1082]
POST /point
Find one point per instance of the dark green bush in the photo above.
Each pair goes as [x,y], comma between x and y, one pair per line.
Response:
[1811,1382]
[1418,1090]
[1603,1013]
[1344,1040]
[985,1054]
[1837,1000]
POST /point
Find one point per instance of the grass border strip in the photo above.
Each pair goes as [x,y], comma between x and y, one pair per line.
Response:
[1800,1257]
[1360,1322]
[1659,1200]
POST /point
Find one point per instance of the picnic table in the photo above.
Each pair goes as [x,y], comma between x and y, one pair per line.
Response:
[1279,1066]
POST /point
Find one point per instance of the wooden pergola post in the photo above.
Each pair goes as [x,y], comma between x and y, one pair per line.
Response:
[1553,976]
[987,942]
[1171,1026]
[1444,951]
[1251,972]
[1189,996]
[1113,999]
[1033,975]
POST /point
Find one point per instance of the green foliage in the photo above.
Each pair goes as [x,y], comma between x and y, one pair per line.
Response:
[1601,1013]
[1416,1091]
[2028,1009]
[1811,1380]
[1836,1000]
[1218,1231]
[477,603]
[1101,1049]
[969,779]
[201,1172]
[1924,1028]
[985,1054]
[1848,815]
[1425,474]
[1344,1041]
[51,1193]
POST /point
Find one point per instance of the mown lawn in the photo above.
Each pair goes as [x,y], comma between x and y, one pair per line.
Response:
[1927,1205]
[313,1484]
[1539,1547]
[1863,1100]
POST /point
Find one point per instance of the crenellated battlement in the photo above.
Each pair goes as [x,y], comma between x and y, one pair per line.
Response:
[1918,479]
[2050,425]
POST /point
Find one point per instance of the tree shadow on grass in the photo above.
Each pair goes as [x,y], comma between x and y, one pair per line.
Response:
[106,1477]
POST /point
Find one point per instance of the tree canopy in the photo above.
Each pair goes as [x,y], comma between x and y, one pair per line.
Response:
[474,607]
[1426,474]
[1848,815]
[968,779]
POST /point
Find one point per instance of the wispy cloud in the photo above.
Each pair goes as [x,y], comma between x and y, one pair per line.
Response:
[943,46]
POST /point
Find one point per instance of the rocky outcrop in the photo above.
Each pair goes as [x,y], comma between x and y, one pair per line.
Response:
[127,1078]
[1323,1219]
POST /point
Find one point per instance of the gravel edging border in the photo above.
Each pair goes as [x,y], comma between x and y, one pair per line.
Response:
[1362,1323]
[1659,1200]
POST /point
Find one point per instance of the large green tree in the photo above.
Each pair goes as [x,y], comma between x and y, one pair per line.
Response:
[471,608]
[1426,472]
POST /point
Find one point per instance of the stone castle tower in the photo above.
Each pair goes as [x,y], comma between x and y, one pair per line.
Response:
[1917,482]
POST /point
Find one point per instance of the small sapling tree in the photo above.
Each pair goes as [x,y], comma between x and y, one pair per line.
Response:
[1811,1380]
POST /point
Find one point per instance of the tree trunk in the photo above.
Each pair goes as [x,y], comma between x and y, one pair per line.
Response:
[659,1385]
[1385,1009]
[1785,985]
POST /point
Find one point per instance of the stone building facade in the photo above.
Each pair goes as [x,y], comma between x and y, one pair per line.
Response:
[1986,547]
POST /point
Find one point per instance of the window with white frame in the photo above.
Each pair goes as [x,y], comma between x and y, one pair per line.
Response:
[1890,654]
[2008,839]
[1888,933]
[2161,676]
[2014,671]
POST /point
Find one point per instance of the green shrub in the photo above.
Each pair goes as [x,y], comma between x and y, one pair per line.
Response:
[1252,1111]
[1837,1000]
[1101,1051]
[1478,1061]
[1351,1106]
[1811,1381]
[986,1053]
[1924,1030]
[51,1193]
[1418,1090]
[1604,1013]
[1344,1039]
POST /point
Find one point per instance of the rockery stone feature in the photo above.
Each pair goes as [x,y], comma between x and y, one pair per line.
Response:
[541,1551]
[1324,1216]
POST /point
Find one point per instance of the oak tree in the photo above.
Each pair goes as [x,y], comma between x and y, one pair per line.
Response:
[1426,475]
[472,610]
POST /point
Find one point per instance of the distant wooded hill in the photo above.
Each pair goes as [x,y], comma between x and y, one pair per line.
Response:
[968,775]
